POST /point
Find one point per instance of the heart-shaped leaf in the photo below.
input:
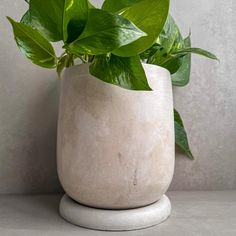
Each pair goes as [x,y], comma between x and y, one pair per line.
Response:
[149,16]
[58,19]
[104,32]
[181,138]
[125,72]
[33,45]
[170,37]
[47,18]
[75,16]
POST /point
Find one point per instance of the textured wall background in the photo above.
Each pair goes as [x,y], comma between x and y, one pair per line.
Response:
[29,100]
[28,114]
[208,103]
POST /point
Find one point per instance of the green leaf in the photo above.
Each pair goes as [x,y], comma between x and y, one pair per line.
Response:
[61,64]
[199,51]
[26,18]
[103,33]
[172,64]
[58,19]
[146,55]
[149,16]
[47,18]
[74,19]
[165,60]
[125,72]
[170,40]
[91,6]
[33,45]
[181,138]
[170,37]
[182,76]
[115,6]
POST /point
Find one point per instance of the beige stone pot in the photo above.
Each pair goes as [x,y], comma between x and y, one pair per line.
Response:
[115,146]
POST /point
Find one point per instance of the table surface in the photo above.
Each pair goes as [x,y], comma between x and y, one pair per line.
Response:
[193,213]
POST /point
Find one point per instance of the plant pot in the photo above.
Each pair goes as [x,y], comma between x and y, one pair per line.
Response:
[115,146]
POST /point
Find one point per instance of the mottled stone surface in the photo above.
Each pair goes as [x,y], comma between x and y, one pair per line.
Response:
[29,98]
[115,146]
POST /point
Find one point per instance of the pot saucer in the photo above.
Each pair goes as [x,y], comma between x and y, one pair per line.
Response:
[115,220]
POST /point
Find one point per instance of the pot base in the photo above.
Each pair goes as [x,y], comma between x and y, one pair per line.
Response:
[115,220]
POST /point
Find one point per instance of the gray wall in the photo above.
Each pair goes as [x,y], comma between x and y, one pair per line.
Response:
[208,103]
[29,101]
[28,115]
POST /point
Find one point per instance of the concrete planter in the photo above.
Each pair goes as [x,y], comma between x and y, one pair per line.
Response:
[115,146]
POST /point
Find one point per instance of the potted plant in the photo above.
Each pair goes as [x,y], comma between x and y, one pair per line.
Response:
[116,123]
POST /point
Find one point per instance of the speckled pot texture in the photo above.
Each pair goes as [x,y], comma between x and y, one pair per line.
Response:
[115,147]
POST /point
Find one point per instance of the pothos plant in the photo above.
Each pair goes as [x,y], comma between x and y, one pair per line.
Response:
[115,40]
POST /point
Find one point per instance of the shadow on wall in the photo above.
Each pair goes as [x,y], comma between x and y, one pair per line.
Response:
[41,175]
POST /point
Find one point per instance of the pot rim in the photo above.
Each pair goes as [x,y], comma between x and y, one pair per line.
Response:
[88,64]
[84,70]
